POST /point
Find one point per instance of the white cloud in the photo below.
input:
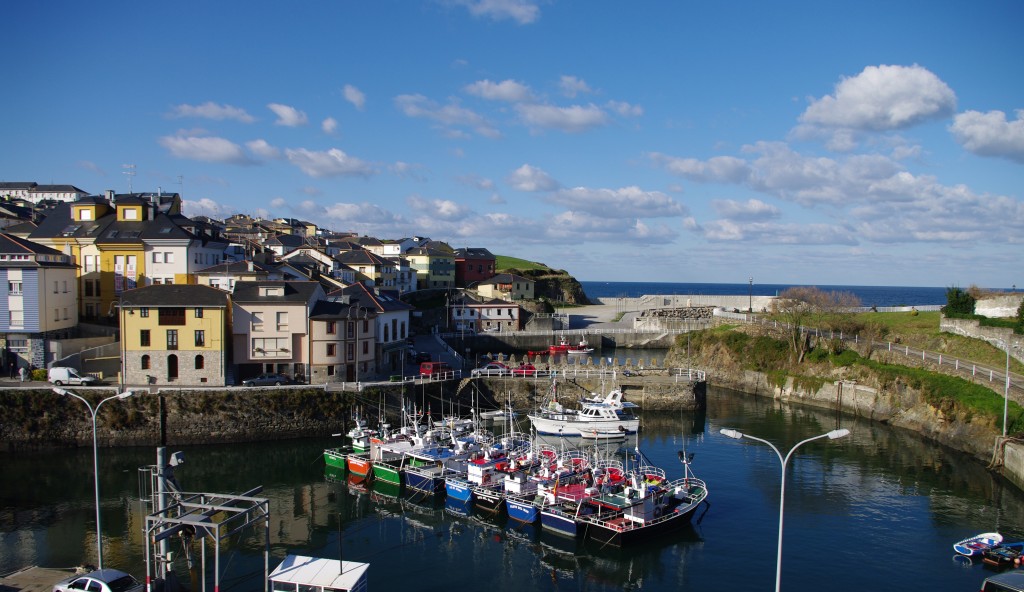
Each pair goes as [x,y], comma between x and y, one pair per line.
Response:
[206,207]
[330,163]
[523,12]
[625,109]
[477,182]
[263,149]
[530,178]
[719,169]
[627,202]
[329,126]
[990,134]
[278,202]
[778,234]
[310,190]
[407,170]
[572,86]
[573,119]
[506,90]
[288,116]
[752,209]
[204,148]
[211,110]
[883,98]
[355,96]
[362,216]
[586,227]
[450,117]
[445,209]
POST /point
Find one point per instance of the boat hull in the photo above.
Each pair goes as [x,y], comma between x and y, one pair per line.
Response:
[459,489]
[561,427]
[522,509]
[335,457]
[561,520]
[426,479]
[489,499]
[358,464]
[388,472]
[976,545]
[620,532]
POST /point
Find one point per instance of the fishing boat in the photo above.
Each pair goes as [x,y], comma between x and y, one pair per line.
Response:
[358,465]
[648,506]
[609,416]
[976,544]
[563,347]
[426,468]
[335,457]
[1004,555]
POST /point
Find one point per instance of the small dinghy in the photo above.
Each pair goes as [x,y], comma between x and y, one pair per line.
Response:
[976,544]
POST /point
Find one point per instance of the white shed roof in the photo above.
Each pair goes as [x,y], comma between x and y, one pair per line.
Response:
[324,573]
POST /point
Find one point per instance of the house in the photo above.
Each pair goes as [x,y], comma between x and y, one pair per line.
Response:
[507,286]
[472,266]
[466,313]
[38,295]
[370,268]
[66,193]
[342,342]
[284,243]
[270,327]
[392,321]
[435,269]
[175,334]
[224,275]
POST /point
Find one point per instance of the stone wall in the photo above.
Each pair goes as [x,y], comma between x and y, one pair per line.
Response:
[973,328]
[999,305]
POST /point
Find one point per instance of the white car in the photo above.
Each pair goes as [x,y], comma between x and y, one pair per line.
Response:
[492,369]
[101,580]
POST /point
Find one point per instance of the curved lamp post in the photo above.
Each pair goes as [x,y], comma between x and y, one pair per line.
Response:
[95,464]
[1006,387]
[782,492]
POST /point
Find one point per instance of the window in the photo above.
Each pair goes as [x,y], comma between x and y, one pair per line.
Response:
[144,337]
[257,321]
[350,351]
[131,214]
[366,326]
[282,321]
[56,285]
[168,257]
[65,313]
[145,362]
[200,363]
[65,286]
[172,339]
[199,313]
[200,338]
[158,257]
[171,315]
[366,347]
[332,349]
[14,287]
[332,327]
[144,312]
[88,288]
[351,329]
[16,318]
[56,314]
[84,214]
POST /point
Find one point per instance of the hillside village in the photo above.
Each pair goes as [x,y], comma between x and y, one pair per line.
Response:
[204,302]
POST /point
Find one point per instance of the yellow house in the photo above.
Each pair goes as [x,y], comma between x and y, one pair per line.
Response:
[435,268]
[175,334]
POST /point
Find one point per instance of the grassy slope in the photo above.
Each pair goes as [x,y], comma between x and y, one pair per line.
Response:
[503,262]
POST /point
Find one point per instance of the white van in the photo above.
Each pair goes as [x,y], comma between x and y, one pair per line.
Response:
[61,375]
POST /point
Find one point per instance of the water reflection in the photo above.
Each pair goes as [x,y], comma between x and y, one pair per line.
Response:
[880,488]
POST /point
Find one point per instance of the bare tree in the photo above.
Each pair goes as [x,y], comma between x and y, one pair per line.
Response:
[807,305]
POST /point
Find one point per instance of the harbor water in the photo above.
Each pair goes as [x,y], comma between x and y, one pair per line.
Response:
[877,510]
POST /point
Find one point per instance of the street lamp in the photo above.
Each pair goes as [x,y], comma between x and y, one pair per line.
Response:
[1006,387]
[782,492]
[95,462]
[750,295]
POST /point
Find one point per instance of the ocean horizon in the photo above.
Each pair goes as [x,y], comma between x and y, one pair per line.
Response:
[868,295]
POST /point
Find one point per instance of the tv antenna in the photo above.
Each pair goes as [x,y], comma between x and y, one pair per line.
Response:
[130,172]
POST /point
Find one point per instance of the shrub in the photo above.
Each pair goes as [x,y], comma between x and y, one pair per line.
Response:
[958,302]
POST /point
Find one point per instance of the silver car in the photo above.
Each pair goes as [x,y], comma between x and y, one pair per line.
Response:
[492,369]
[101,580]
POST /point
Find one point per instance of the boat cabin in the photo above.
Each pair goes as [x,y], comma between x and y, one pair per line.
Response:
[299,573]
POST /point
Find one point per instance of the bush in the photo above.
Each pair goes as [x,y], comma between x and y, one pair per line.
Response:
[39,374]
[958,302]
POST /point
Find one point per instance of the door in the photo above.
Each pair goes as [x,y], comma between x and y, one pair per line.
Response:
[172,367]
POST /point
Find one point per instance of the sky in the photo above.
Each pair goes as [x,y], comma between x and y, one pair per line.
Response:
[818,143]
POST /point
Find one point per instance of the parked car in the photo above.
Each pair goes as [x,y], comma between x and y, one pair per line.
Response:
[492,369]
[61,375]
[268,380]
[101,580]
[431,368]
[524,370]
[1009,581]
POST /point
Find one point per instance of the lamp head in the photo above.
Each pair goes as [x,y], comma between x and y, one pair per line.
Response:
[838,434]
[731,433]
[60,391]
[125,394]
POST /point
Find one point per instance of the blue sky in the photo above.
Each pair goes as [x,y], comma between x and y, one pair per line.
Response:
[867,143]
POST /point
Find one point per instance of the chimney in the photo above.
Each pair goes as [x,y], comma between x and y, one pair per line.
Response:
[109,194]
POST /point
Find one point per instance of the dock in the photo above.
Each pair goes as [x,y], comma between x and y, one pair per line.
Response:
[34,579]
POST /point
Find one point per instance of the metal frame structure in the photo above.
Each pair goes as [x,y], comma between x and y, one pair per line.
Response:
[207,516]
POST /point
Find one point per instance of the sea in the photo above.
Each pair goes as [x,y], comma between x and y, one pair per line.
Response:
[868,295]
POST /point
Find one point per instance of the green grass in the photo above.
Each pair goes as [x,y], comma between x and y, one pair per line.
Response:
[502,262]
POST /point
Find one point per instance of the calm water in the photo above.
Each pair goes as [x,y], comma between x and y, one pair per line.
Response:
[878,510]
[869,295]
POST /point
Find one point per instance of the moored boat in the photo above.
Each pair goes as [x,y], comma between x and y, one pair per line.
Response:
[976,544]
[610,416]
[1004,555]
[335,457]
